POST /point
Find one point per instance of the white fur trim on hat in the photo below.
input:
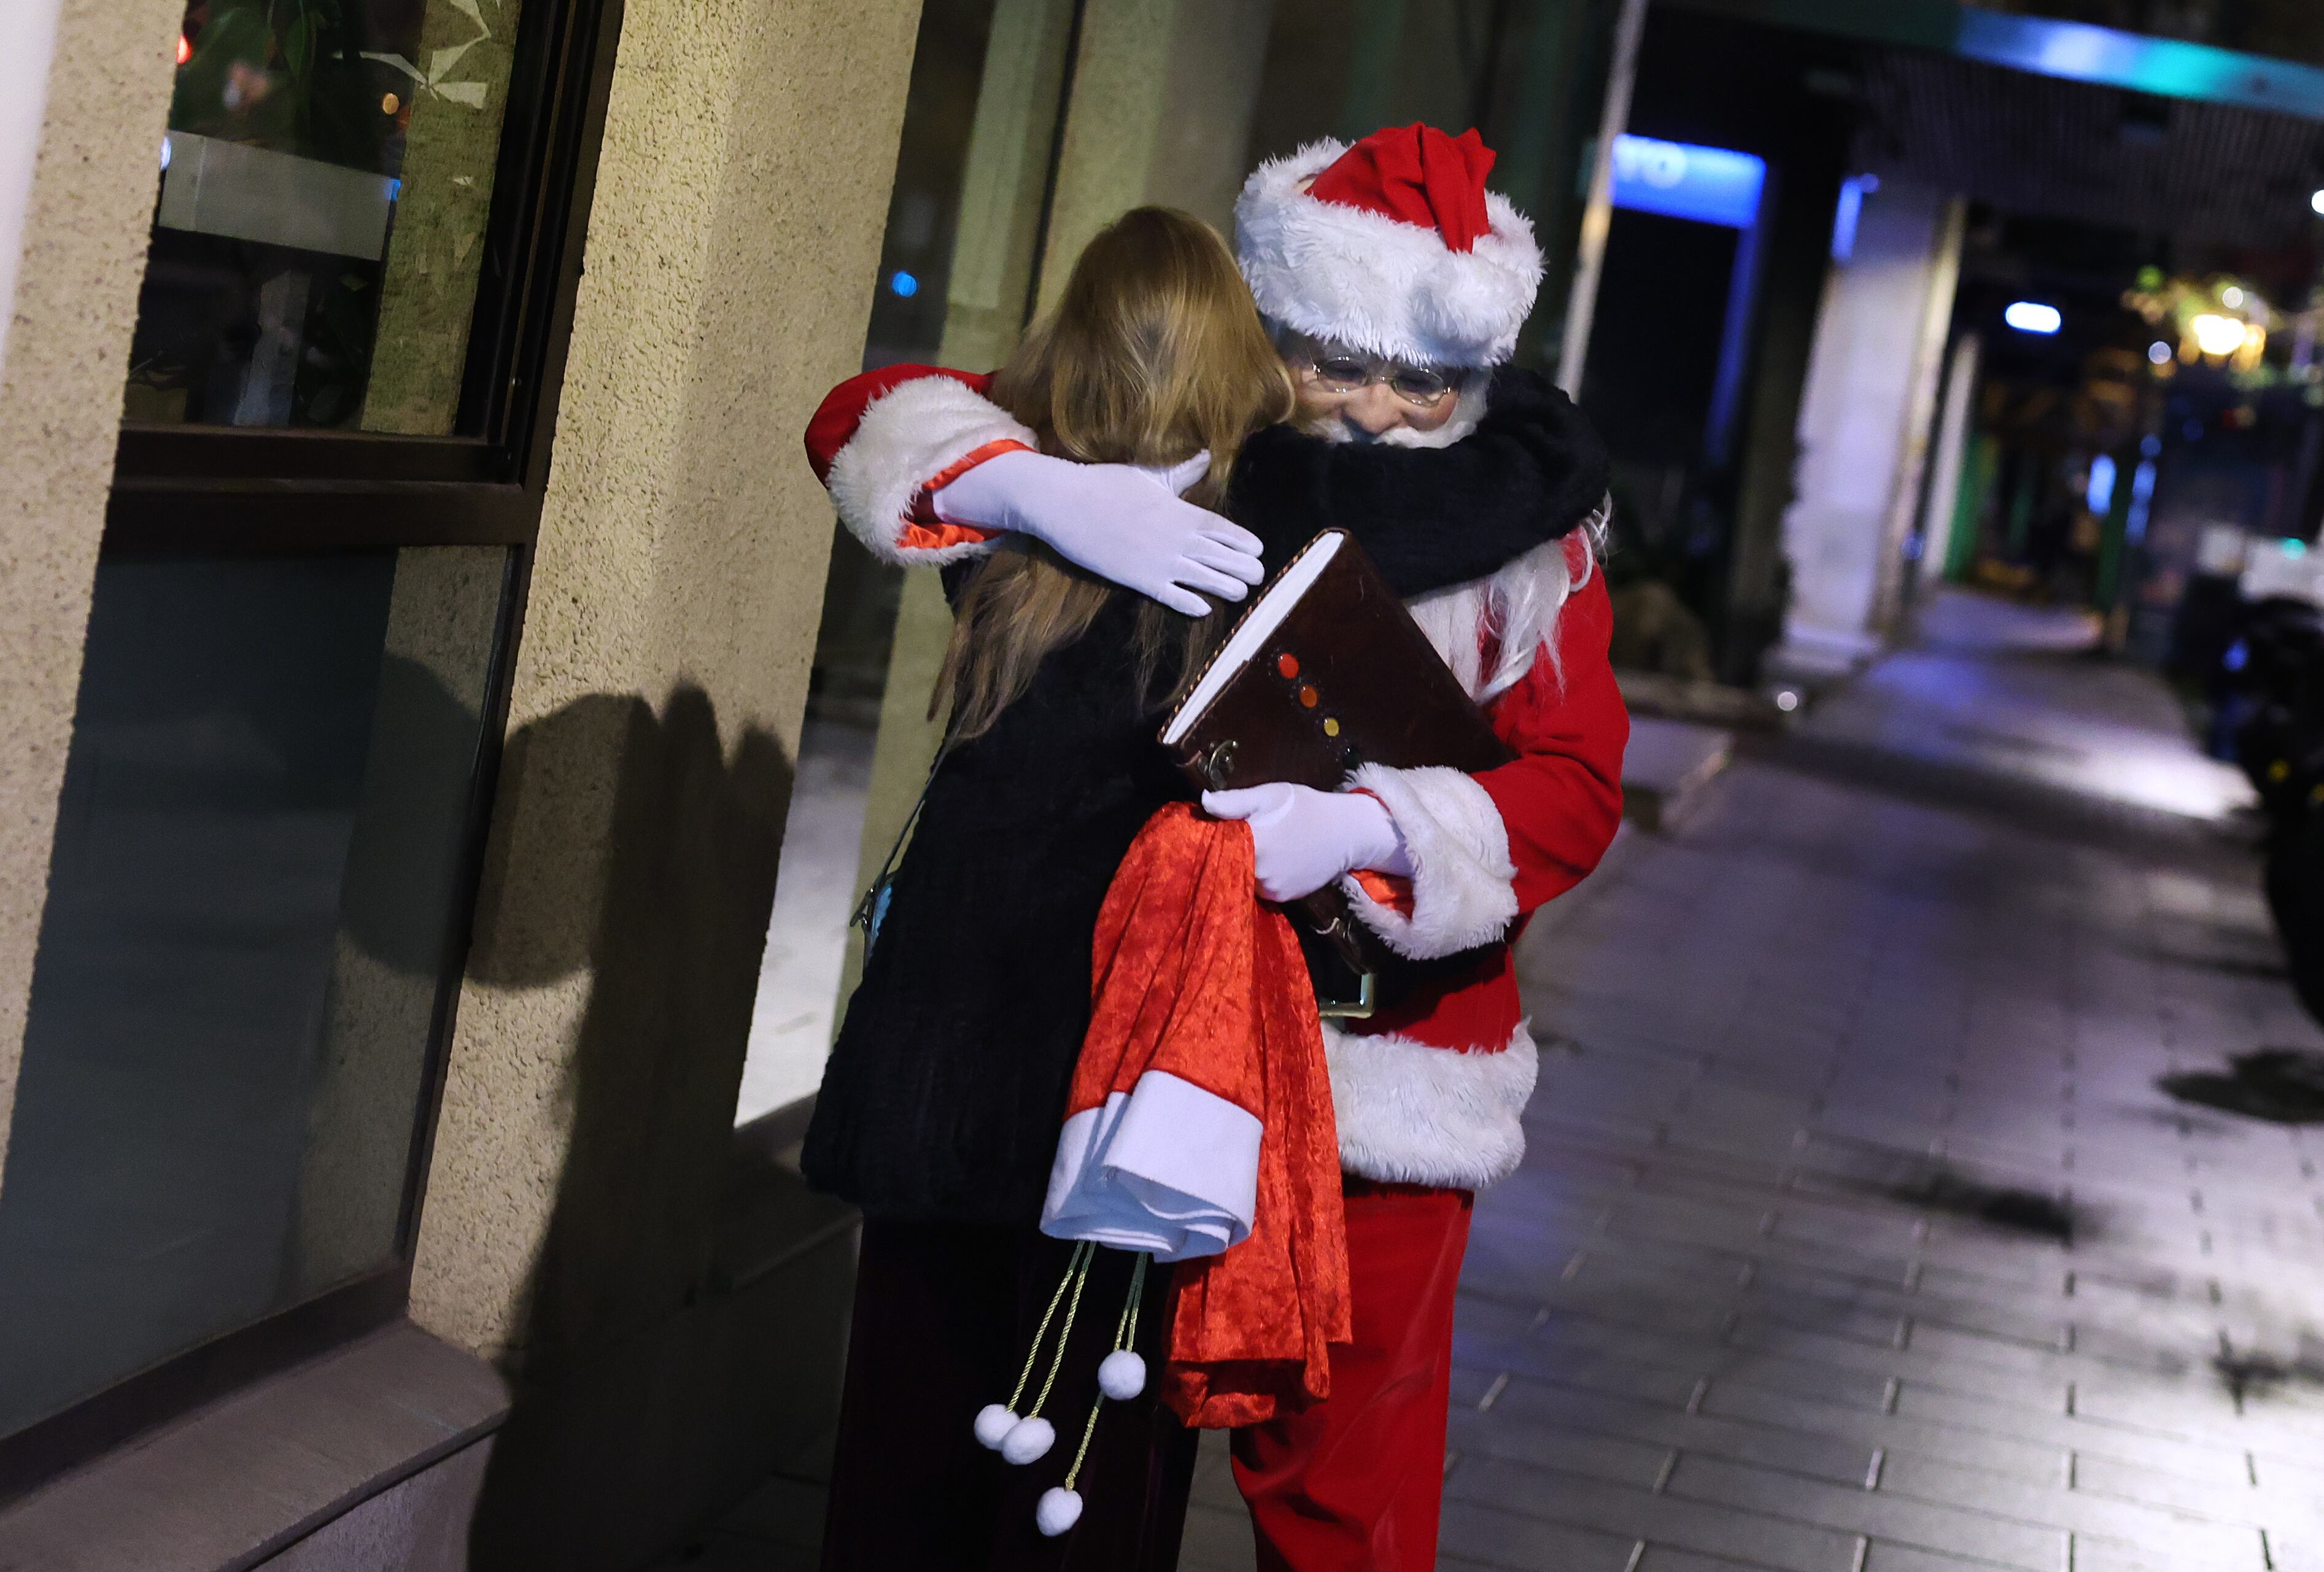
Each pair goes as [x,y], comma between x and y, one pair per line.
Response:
[1375,283]
[906,437]
[1463,883]
[1409,1113]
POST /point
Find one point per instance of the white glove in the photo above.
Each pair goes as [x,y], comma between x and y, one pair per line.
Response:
[1306,839]
[1119,522]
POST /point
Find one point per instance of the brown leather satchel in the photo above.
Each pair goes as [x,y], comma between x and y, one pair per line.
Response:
[1327,671]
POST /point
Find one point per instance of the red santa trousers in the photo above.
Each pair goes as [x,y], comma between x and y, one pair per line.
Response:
[1355,1483]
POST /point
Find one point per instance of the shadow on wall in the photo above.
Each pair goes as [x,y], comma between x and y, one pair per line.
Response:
[664,897]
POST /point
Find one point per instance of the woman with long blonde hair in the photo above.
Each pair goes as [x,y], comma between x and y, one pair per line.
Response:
[940,1109]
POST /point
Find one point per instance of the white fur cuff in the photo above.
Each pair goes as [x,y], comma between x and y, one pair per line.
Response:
[1412,1114]
[906,438]
[1464,883]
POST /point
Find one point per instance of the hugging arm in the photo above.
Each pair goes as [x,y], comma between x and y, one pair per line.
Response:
[924,468]
[1533,471]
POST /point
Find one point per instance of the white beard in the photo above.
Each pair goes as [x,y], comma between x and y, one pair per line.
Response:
[1515,609]
[1470,411]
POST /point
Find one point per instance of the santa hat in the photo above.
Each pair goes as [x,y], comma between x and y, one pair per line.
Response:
[1392,247]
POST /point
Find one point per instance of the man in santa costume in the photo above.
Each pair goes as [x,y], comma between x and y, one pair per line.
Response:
[1395,284]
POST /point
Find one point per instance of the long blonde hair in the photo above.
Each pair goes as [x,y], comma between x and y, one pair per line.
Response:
[1154,354]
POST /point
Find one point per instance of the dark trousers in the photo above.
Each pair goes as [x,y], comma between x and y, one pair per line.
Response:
[945,1315]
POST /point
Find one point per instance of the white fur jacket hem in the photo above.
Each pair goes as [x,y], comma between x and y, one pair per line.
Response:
[1410,1113]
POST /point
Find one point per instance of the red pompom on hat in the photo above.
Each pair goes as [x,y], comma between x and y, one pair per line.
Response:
[1392,247]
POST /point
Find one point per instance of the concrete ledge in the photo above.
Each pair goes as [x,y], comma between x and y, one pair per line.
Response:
[1667,765]
[613,1465]
[1707,704]
[250,1474]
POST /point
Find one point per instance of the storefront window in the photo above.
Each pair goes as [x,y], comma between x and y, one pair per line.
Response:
[259,861]
[336,444]
[319,224]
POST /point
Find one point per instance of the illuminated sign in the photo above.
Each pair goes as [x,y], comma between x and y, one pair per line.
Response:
[1711,185]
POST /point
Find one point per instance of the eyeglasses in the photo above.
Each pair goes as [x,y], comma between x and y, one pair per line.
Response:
[1348,373]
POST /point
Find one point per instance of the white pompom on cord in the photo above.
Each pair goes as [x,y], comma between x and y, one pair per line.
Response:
[1029,1440]
[1059,1510]
[1121,1376]
[994,1420]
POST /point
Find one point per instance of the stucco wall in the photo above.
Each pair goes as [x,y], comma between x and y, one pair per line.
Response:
[732,245]
[75,302]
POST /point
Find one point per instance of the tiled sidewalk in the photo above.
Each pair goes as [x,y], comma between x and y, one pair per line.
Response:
[1856,1232]
[1860,1232]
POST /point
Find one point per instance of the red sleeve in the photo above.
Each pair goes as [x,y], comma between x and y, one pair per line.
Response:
[1561,800]
[841,410]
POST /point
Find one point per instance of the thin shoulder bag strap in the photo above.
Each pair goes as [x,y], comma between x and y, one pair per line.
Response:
[864,908]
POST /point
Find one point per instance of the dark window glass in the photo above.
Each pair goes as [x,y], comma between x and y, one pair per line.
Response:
[258,862]
[317,231]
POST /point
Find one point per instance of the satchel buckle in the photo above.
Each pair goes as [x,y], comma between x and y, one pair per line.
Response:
[1217,760]
[1359,1008]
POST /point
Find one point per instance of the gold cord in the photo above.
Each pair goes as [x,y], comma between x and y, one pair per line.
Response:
[1077,1274]
[1125,1333]
[1032,1355]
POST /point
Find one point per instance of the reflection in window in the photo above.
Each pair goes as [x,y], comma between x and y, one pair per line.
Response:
[318,229]
[256,878]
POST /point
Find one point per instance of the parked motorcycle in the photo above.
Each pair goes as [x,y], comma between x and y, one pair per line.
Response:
[2269,696]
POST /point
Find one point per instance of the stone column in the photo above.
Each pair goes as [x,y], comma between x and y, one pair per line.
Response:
[88,199]
[733,237]
[1865,416]
[1954,427]
[994,252]
[1924,376]
[1163,92]
[1804,192]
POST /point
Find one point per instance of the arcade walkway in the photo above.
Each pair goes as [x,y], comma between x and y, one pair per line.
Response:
[1918,1180]
[1891,1206]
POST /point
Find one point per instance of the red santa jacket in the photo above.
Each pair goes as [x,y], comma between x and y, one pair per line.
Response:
[1431,1090]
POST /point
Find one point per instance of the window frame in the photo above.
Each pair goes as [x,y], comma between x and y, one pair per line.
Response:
[211,491]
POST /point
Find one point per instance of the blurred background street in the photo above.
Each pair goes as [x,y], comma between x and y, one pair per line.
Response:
[1924,1178]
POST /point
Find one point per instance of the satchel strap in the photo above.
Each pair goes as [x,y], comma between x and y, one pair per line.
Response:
[866,908]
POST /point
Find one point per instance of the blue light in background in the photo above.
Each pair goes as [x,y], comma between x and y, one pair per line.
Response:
[1711,185]
[1849,213]
[2033,316]
[2101,492]
[902,283]
[2293,546]
[2142,498]
[2079,52]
